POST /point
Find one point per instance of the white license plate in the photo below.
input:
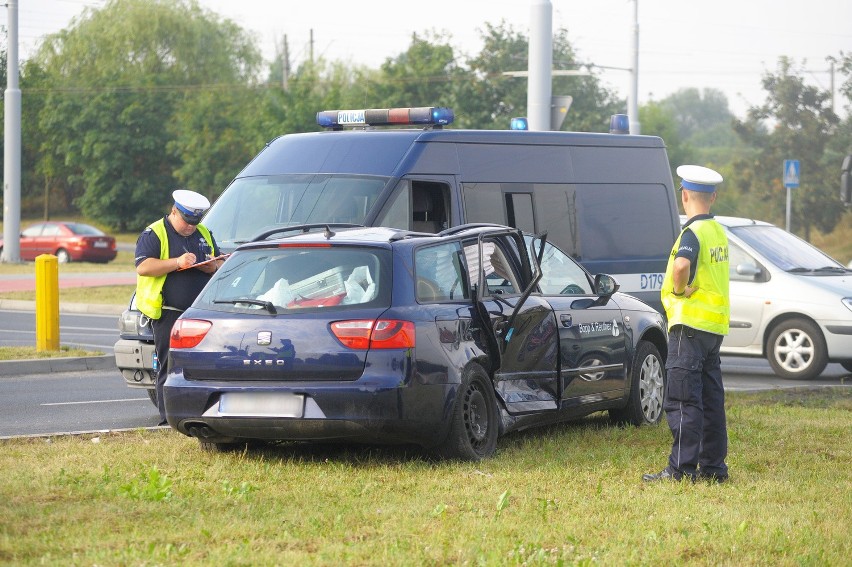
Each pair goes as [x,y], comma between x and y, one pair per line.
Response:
[261,404]
[100,244]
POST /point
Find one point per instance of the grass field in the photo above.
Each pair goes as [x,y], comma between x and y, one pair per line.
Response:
[564,495]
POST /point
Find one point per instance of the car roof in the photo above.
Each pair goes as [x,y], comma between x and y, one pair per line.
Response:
[732,222]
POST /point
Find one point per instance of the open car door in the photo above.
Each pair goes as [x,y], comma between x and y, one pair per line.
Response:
[521,328]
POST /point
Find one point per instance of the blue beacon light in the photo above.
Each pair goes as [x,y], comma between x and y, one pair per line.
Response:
[519,123]
[619,124]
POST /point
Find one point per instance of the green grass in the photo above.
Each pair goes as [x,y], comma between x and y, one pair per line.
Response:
[26,353]
[565,495]
[102,295]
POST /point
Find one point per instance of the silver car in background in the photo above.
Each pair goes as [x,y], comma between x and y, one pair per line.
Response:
[790,302]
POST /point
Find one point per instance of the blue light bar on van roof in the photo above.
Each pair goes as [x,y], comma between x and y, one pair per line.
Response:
[427,115]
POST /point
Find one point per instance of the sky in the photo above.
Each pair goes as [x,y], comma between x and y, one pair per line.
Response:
[722,44]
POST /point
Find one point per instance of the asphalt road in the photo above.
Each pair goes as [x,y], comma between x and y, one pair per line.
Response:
[72,402]
[85,331]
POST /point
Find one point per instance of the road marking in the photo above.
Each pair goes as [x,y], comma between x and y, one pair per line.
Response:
[95,402]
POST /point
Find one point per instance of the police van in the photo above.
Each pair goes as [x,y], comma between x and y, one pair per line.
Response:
[606,199]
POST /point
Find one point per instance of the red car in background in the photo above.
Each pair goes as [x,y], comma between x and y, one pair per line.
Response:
[68,241]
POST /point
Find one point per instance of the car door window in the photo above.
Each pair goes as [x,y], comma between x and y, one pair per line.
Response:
[500,275]
[33,231]
[742,267]
[439,273]
[560,274]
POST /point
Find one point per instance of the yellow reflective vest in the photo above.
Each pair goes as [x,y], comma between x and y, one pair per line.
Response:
[149,289]
[708,308]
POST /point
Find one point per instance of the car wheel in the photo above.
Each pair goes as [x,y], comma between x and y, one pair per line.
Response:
[847,364]
[796,350]
[647,387]
[152,394]
[62,256]
[474,423]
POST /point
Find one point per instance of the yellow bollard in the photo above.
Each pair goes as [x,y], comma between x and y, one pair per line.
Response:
[47,302]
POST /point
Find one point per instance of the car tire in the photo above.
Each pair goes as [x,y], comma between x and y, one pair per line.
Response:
[647,388]
[474,426]
[847,364]
[152,395]
[796,350]
[62,256]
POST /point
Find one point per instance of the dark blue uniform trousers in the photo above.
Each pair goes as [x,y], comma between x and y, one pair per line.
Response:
[162,328]
[695,404]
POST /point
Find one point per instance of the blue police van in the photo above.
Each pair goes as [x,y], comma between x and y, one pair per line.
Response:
[606,199]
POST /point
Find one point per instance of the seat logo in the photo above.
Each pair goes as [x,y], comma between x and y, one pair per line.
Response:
[264,338]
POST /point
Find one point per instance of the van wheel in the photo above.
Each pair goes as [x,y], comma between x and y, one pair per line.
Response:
[474,423]
[796,350]
[647,387]
[847,364]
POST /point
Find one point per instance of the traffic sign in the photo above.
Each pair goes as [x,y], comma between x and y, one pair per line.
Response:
[791,173]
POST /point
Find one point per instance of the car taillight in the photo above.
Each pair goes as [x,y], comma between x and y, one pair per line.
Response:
[187,333]
[366,334]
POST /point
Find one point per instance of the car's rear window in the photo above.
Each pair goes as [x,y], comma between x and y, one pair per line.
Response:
[296,278]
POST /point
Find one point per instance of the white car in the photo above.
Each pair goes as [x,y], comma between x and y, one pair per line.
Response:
[790,302]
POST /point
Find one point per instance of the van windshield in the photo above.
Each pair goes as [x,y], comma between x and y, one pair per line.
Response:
[785,250]
[253,204]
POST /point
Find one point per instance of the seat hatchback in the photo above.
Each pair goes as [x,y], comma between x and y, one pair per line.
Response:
[382,335]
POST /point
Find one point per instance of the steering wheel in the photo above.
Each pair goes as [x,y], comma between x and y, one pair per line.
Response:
[572,289]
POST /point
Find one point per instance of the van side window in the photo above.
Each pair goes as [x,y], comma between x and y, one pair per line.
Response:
[422,206]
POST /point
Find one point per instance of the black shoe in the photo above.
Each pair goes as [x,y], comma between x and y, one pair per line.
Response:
[163,422]
[713,477]
[663,475]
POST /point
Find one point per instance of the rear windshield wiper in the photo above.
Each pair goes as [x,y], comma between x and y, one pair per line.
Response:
[265,304]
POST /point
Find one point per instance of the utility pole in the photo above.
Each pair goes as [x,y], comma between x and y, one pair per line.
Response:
[12,146]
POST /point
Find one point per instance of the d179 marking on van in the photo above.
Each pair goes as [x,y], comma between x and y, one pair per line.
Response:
[632,283]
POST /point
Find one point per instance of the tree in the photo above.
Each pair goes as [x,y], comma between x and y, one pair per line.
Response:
[491,99]
[800,122]
[116,79]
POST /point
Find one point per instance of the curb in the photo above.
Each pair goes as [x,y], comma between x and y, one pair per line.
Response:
[10,368]
[90,308]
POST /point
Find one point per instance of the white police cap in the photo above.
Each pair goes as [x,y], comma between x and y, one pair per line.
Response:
[698,178]
[190,205]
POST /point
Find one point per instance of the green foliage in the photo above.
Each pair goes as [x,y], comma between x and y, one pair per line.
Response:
[795,122]
[113,84]
[153,487]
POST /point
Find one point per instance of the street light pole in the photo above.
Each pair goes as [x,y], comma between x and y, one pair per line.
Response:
[12,146]
[633,98]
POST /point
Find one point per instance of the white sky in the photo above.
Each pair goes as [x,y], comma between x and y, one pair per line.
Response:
[723,44]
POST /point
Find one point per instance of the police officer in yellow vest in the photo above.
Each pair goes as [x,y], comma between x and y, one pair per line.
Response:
[695,297]
[166,281]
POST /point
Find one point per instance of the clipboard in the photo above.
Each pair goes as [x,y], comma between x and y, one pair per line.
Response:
[195,265]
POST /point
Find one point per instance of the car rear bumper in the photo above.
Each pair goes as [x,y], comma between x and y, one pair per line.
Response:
[368,410]
[135,361]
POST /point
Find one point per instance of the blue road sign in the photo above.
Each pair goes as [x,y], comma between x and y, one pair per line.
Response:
[791,173]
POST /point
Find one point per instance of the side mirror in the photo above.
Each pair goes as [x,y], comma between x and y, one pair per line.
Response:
[605,285]
[747,269]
